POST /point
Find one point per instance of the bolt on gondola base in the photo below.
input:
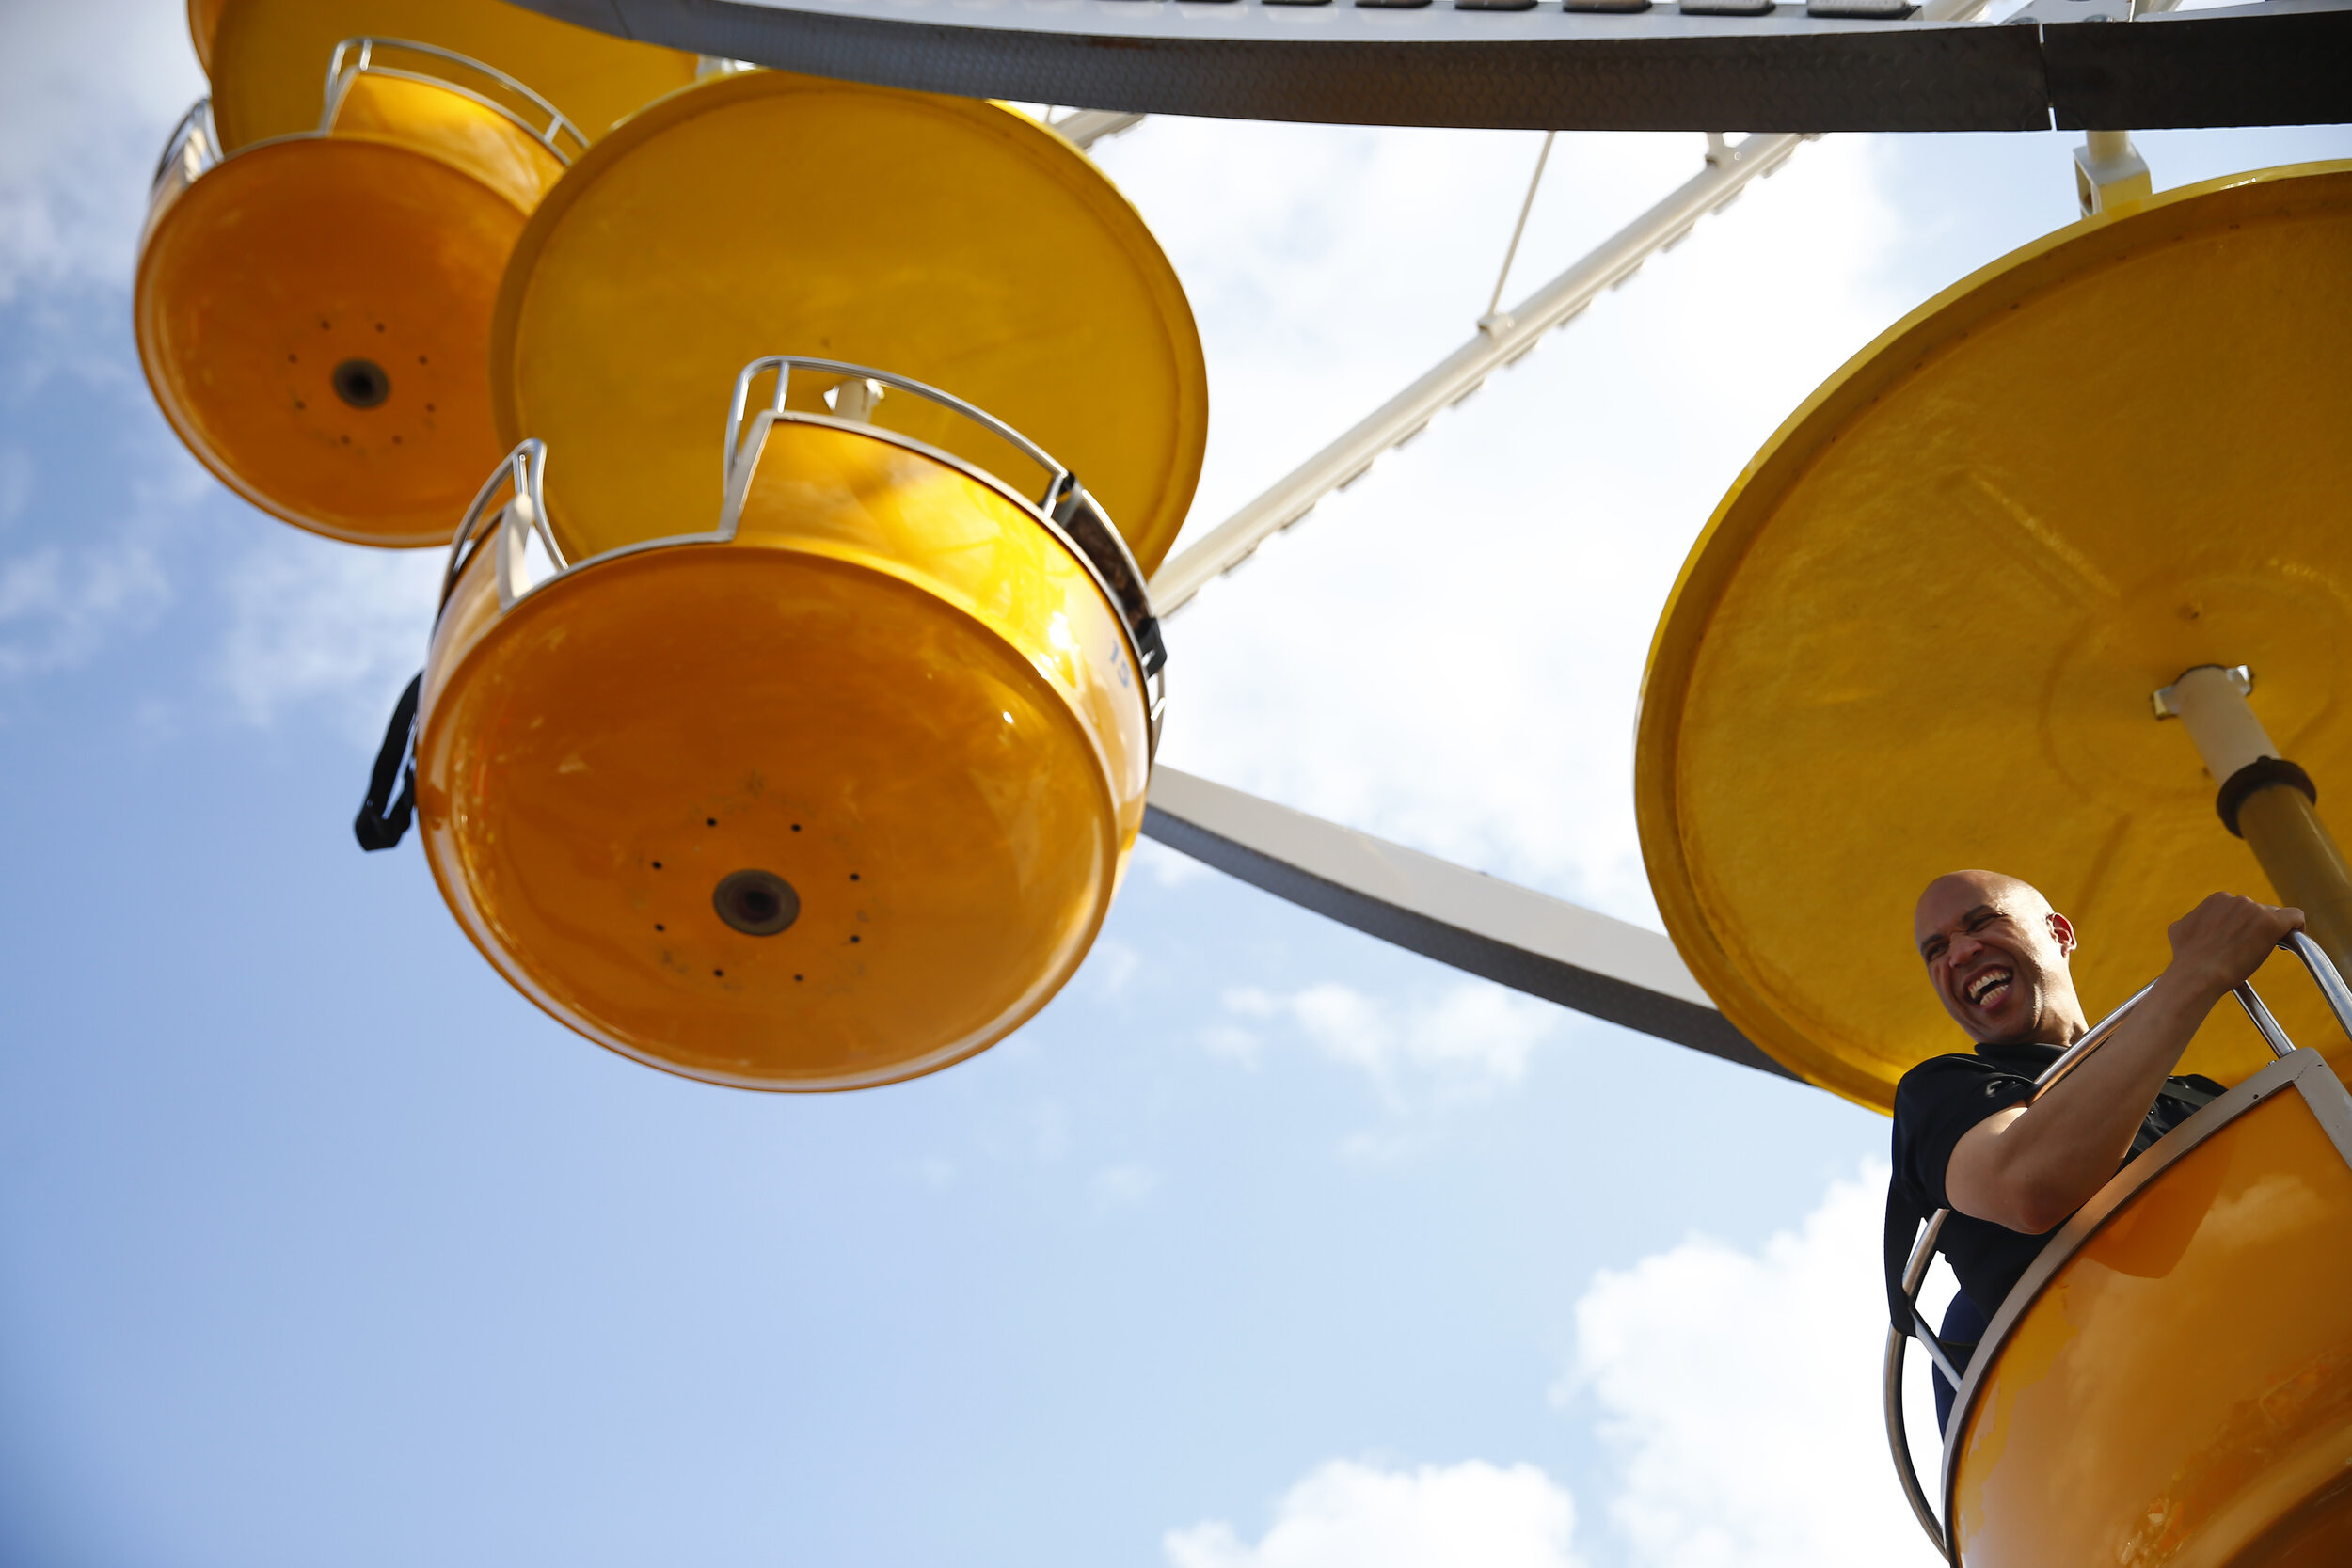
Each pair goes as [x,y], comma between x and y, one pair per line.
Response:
[2266,800]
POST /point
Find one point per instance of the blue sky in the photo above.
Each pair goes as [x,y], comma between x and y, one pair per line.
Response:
[1264,1246]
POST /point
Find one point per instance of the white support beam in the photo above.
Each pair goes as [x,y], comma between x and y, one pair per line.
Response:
[1561,952]
[1088,126]
[1501,339]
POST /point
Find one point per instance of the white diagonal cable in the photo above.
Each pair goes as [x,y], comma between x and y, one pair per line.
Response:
[1518,230]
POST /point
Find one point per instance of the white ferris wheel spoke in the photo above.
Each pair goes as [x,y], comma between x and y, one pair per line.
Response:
[1529,941]
[1086,127]
[1502,338]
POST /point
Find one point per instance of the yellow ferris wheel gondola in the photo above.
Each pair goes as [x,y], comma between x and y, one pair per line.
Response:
[2169,1384]
[829,795]
[838,792]
[1939,622]
[264,57]
[1925,628]
[955,242]
[315,281]
[314,311]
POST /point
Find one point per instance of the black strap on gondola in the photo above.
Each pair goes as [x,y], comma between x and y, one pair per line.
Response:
[383,818]
[1081,517]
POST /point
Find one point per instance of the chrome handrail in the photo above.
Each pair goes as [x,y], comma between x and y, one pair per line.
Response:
[2264,1024]
[1066,512]
[339,78]
[2324,974]
[2339,999]
[1897,1342]
[1064,506]
[2093,1037]
[194,146]
[785,364]
[526,468]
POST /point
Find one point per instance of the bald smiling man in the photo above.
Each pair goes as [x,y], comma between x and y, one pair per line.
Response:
[1966,1140]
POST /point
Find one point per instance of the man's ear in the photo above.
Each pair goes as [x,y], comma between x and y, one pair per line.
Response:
[2062,932]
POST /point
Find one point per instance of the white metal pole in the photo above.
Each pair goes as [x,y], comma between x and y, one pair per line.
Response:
[2210,702]
[1515,936]
[2266,800]
[1088,126]
[1465,370]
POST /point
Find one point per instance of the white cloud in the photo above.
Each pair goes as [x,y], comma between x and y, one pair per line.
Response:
[93,535]
[1467,1041]
[61,603]
[87,93]
[1049,1126]
[1739,1395]
[1166,866]
[316,622]
[1123,1186]
[1231,1040]
[1351,1515]
[16,484]
[1736,1395]
[57,606]
[1111,965]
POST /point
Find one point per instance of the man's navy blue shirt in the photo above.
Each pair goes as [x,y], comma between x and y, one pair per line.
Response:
[1941,1099]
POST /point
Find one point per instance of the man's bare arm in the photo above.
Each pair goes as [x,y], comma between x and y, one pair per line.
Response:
[2030,1166]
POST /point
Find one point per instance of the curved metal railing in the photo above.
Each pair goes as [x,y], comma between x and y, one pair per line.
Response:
[355,56]
[525,472]
[847,374]
[1063,505]
[1064,508]
[193,148]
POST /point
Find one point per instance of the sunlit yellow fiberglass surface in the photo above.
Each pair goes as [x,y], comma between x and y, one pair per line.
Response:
[266,57]
[835,796]
[1922,630]
[956,242]
[314,312]
[2170,1387]
[203,19]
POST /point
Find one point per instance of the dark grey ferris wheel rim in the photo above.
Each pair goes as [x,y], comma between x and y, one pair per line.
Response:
[1546,67]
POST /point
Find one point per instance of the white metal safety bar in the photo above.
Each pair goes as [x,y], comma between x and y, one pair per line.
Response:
[1545,947]
[1085,127]
[1501,338]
